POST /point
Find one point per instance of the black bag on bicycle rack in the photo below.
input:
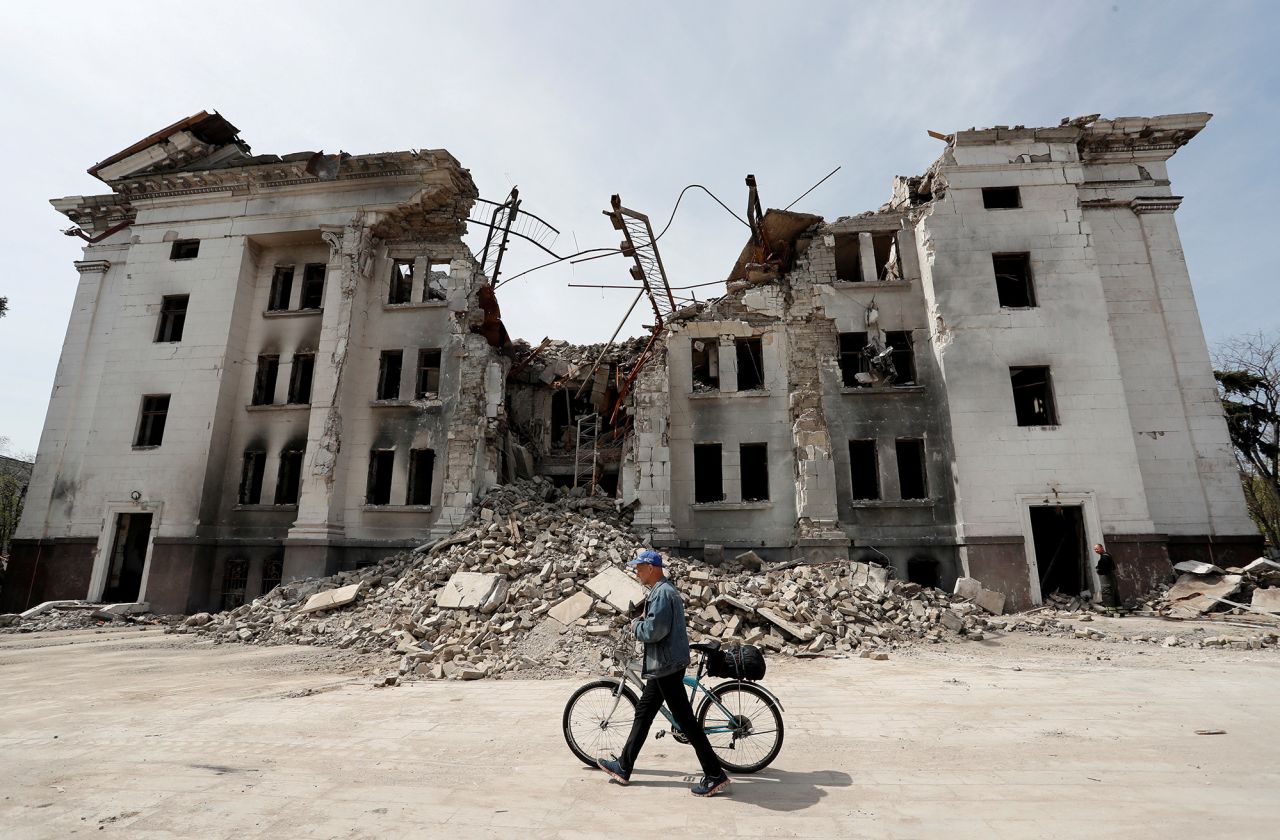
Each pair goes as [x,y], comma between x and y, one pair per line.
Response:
[744,662]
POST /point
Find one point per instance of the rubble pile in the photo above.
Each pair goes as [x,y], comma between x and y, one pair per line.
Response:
[1203,588]
[534,584]
[73,615]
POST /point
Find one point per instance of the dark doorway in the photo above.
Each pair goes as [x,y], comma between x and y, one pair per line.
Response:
[128,556]
[1058,532]
[924,571]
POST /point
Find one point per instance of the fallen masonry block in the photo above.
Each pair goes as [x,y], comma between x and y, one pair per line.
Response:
[991,601]
[197,620]
[1267,599]
[737,604]
[795,631]
[572,608]
[1262,564]
[1195,567]
[468,590]
[713,554]
[750,560]
[1194,595]
[55,605]
[616,588]
[331,599]
[952,621]
[967,587]
[875,578]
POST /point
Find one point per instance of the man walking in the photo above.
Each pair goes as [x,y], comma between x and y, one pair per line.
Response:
[666,656]
[1106,569]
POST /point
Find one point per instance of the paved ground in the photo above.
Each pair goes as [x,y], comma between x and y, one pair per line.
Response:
[149,736]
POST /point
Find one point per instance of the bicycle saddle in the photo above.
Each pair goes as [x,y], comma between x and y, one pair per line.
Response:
[706,647]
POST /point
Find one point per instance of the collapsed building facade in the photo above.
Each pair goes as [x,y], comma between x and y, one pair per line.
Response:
[997,369]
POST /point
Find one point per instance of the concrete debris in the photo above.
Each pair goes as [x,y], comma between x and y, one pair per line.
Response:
[1195,567]
[1194,595]
[619,589]
[1267,600]
[471,591]
[572,608]
[331,599]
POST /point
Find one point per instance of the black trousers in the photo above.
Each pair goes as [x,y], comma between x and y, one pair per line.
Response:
[671,690]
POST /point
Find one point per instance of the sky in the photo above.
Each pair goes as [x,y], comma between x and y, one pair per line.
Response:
[574,102]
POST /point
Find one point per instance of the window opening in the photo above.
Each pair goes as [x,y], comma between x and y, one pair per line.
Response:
[381,462]
[281,288]
[255,466]
[750,364]
[289,477]
[708,483]
[422,463]
[235,578]
[912,478]
[853,359]
[1033,396]
[389,374]
[184,249]
[264,382]
[173,317]
[885,248]
[904,357]
[848,258]
[705,354]
[312,286]
[272,572]
[428,374]
[437,284]
[155,410]
[1013,280]
[304,366]
[401,281]
[864,469]
[1001,198]
[754,461]
[924,571]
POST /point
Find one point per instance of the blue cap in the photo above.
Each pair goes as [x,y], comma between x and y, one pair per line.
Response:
[648,556]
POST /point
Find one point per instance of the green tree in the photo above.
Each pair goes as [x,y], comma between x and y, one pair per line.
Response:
[1248,374]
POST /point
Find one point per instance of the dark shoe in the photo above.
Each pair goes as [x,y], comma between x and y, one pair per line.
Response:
[615,771]
[711,785]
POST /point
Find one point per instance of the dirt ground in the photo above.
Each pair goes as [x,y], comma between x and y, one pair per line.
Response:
[144,735]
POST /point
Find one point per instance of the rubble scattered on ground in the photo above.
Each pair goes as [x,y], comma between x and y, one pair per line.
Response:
[1202,588]
[76,615]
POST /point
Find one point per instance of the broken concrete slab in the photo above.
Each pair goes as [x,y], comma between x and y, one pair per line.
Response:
[1195,567]
[874,578]
[990,600]
[572,608]
[468,590]
[616,588]
[1266,599]
[967,587]
[795,631]
[742,604]
[55,605]
[331,599]
[1262,564]
[1194,595]
[750,560]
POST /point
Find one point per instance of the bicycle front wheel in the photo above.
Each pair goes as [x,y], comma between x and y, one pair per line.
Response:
[597,721]
[744,726]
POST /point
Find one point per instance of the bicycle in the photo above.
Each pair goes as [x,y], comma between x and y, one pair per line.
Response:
[743,720]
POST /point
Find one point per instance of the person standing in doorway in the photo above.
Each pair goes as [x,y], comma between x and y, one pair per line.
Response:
[666,656]
[1106,569]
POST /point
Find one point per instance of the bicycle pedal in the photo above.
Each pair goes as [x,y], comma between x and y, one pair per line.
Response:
[659,734]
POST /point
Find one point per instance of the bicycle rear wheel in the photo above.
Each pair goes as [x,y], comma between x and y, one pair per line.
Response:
[750,735]
[595,726]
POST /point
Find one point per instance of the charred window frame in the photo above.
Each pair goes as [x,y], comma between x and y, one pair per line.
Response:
[378,488]
[704,354]
[313,286]
[864,470]
[428,378]
[913,482]
[750,352]
[173,317]
[235,579]
[708,480]
[389,366]
[1033,396]
[422,465]
[1001,198]
[753,460]
[853,359]
[281,288]
[1014,284]
[848,258]
[904,356]
[184,249]
[272,572]
[255,467]
[289,477]
[151,420]
[304,367]
[401,290]
[436,285]
[264,381]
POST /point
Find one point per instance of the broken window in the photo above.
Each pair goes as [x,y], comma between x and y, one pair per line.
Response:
[173,317]
[281,288]
[389,374]
[912,480]
[428,374]
[401,281]
[304,365]
[255,465]
[1001,198]
[289,477]
[708,484]
[155,410]
[272,572]
[422,464]
[904,356]
[750,363]
[848,258]
[264,383]
[1013,280]
[312,286]
[706,364]
[754,462]
[437,282]
[184,249]
[864,469]
[853,359]
[235,578]
[1033,396]
[885,248]
[381,462]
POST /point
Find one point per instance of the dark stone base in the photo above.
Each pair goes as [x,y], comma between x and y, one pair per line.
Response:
[1142,562]
[47,570]
[1001,564]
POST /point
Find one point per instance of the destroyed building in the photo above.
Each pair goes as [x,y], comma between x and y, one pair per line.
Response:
[998,368]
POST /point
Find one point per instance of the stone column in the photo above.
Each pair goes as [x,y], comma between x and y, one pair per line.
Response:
[651,398]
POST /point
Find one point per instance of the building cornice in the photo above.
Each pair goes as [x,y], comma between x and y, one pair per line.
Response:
[92,266]
[1155,204]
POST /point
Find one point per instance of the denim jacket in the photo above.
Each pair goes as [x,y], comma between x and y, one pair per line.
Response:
[666,641]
